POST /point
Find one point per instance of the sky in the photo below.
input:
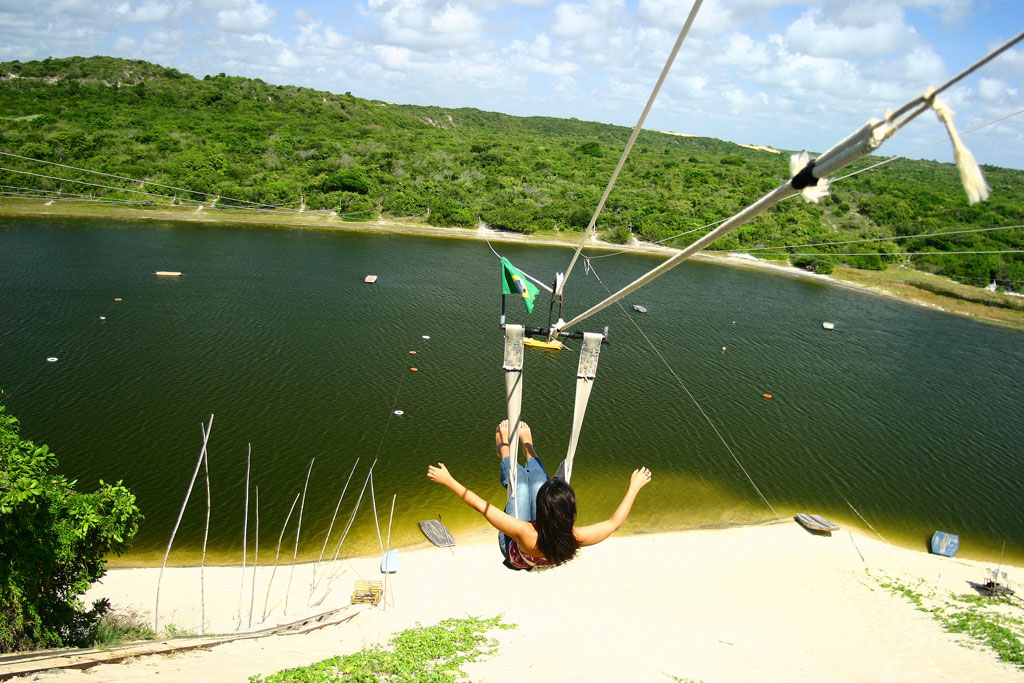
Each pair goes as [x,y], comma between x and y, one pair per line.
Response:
[789,74]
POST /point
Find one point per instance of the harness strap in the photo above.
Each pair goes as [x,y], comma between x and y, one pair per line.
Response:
[513,367]
[586,373]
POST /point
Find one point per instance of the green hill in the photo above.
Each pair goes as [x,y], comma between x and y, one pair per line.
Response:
[249,141]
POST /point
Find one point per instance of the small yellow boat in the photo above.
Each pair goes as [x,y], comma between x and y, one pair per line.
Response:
[546,345]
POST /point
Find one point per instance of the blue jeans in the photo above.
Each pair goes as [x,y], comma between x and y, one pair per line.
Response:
[528,483]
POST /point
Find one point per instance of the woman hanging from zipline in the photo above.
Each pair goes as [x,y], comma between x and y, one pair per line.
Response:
[545,534]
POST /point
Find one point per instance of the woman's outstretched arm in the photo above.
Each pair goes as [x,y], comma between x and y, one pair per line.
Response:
[595,533]
[498,518]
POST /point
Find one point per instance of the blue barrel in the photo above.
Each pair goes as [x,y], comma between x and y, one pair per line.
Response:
[945,544]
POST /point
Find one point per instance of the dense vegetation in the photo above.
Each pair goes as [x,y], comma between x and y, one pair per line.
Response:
[53,541]
[246,140]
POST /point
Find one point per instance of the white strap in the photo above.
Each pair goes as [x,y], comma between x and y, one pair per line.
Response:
[585,375]
[513,367]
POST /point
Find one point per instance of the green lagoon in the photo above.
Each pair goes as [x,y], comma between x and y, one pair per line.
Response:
[903,418]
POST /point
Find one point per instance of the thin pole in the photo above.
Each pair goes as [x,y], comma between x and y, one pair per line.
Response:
[256,556]
[278,555]
[388,550]
[298,531]
[348,526]
[202,562]
[195,473]
[331,527]
[376,523]
[245,531]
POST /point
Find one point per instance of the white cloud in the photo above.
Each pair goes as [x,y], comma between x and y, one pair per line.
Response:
[146,11]
[574,21]
[848,33]
[125,45]
[254,17]
[303,16]
[426,24]
[538,57]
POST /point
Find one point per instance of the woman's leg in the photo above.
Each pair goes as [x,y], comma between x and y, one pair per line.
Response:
[522,484]
[535,473]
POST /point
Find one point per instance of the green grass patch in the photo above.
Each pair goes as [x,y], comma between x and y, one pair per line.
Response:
[432,654]
[993,622]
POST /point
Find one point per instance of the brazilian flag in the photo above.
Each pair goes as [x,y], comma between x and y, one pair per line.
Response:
[513,282]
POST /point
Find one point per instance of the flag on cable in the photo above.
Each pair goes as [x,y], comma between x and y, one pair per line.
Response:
[513,282]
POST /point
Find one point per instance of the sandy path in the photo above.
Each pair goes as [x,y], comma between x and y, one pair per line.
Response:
[769,603]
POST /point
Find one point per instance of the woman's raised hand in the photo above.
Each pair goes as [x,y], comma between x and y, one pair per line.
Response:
[440,474]
[640,478]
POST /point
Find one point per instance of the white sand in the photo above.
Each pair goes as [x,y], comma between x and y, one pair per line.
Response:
[769,603]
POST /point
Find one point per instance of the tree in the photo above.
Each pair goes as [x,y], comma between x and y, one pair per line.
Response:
[53,544]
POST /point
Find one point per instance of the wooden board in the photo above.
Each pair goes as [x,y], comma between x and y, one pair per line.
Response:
[435,531]
[816,523]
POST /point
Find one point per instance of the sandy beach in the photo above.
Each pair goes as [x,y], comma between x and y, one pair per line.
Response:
[771,603]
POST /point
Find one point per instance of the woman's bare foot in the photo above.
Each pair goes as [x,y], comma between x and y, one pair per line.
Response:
[501,439]
[526,435]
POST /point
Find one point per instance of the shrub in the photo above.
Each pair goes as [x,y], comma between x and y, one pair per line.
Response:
[53,544]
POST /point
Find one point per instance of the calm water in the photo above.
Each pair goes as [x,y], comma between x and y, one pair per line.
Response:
[909,416]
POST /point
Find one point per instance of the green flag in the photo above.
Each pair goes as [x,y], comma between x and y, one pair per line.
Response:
[513,282]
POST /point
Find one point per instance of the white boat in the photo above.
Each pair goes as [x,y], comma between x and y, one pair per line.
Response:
[639,309]
[370,279]
[828,326]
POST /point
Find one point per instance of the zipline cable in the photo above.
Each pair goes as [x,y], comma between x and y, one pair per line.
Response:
[811,180]
[632,138]
[690,395]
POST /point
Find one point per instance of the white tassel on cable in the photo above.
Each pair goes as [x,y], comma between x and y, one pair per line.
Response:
[811,193]
[970,173]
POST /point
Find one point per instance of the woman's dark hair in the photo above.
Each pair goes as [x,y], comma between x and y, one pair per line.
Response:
[556,514]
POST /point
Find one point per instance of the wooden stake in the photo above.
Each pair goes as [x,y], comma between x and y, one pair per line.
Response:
[277,556]
[245,531]
[256,556]
[387,550]
[202,563]
[333,518]
[195,473]
[298,531]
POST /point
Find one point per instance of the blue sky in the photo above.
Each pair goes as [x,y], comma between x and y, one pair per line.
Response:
[789,74]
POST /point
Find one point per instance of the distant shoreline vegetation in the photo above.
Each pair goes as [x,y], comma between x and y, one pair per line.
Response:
[165,138]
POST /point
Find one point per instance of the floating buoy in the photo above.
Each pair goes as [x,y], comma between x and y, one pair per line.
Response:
[426,336]
[723,349]
[767,395]
[414,369]
[399,412]
[51,359]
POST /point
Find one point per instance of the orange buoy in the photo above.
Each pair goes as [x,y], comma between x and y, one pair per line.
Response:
[415,369]
[767,395]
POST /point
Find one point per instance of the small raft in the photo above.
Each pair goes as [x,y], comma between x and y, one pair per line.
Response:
[370,279]
[816,524]
[167,273]
[545,345]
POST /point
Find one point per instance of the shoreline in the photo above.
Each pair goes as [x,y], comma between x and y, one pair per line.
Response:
[905,292]
[685,605]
